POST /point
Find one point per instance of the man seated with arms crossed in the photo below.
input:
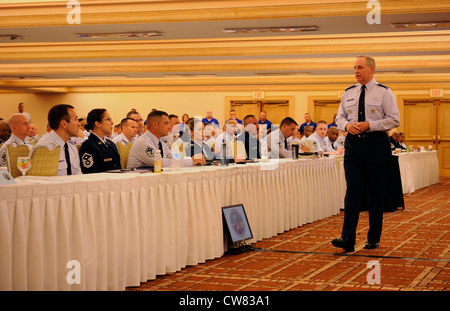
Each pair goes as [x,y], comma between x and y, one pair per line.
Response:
[317,140]
[63,121]
[129,129]
[277,143]
[142,153]
[20,127]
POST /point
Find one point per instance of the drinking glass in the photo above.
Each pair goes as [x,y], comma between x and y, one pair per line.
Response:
[24,164]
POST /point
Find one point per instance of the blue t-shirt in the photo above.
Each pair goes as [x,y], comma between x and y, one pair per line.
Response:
[312,124]
[212,121]
[237,120]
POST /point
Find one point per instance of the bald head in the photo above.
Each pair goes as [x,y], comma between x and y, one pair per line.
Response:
[333,133]
[20,125]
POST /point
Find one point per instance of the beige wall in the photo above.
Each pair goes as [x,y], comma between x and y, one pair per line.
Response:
[118,104]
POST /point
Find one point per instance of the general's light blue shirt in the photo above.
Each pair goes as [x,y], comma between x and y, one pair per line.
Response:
[381,108]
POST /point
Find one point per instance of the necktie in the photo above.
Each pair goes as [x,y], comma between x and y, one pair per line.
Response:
[161,148]
[69,166]
[361,107]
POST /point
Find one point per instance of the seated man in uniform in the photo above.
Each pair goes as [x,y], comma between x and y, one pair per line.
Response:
[250,137]
[277,143]
[331,140]
[142,154]
[20,127]
[63,121]
[317,139]
[196,148]
[129,129]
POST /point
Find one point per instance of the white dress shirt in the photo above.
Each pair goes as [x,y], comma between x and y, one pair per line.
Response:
[53,138]
[143,153]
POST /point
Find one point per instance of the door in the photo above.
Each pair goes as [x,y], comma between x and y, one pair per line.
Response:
[325,110]
[276,110]
[424,125]
[244,108]
[443,137]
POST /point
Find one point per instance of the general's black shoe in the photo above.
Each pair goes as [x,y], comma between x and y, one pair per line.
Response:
[346,244]
[371,245]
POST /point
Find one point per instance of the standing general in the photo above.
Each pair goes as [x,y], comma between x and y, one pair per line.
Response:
[368,109]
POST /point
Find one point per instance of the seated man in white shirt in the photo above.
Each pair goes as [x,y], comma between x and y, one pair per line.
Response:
[174,130]
[317,140]
[20,127]
[331,140]
[307,131]
[277,143]
[142,154]
[129,130]
[63,121]
[32,137]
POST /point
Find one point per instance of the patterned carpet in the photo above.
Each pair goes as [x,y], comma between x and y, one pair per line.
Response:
[414,255]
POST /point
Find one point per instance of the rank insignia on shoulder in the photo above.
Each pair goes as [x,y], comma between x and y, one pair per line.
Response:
[149,151]
[87,160]
[354,85]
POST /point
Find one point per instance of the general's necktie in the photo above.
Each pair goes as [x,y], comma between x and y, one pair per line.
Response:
[161,148]
[361,107]
[69,165]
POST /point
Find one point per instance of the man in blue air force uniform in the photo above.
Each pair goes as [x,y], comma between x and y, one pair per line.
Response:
[368,109]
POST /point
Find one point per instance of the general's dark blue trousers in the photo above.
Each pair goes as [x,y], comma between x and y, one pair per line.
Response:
[366,164]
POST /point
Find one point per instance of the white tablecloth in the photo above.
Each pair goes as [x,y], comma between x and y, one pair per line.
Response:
[124,229]
[418,170]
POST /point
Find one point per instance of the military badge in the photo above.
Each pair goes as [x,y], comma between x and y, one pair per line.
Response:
[87,160]
[149,151]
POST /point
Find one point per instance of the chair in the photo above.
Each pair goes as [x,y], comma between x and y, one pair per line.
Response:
[124,151]
[44,160]
[13,151]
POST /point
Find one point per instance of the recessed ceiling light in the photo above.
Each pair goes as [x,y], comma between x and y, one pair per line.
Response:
[140,34]
[275,74]
[271,29]
[104,77]
[420,25]
[189,75]
[21,77]
[11,37]
[397,72]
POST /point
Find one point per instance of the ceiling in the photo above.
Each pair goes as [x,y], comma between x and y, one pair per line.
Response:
[194,53]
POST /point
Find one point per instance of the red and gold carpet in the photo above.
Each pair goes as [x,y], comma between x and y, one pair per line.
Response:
[414,254]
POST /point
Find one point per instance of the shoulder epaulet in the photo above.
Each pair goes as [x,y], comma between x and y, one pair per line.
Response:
[354,85]
[382,85]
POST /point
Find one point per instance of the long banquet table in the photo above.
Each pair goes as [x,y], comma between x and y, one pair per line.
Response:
[418,170]
[124,229]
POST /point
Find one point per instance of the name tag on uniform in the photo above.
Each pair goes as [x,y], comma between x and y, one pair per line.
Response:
[107,159]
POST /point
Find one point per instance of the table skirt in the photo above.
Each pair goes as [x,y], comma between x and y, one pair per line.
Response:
[124,229]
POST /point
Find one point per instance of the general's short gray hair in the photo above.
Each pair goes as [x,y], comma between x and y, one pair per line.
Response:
[370,61]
